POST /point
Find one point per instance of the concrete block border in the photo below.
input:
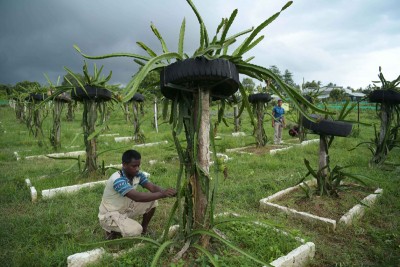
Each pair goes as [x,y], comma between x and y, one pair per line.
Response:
[354,213]
[299,257]
[58,155]
[152,144]
[105,135]
[84,258]
[358,210]
[33,193]
[49,193]
[32,189]
[272,151]
[131,138]
[17,155]
[309,142]
[237,134]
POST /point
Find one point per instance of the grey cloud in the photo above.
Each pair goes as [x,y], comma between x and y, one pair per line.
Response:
[37,36]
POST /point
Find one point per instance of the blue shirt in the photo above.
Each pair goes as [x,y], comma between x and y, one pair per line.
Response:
[278,113]
[123,185]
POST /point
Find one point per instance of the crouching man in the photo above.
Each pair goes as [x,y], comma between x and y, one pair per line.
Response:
[121,202]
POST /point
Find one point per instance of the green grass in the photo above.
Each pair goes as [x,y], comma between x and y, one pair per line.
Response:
[45,233]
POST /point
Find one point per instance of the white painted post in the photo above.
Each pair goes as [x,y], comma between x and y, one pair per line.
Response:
[33,194]
[28,182]
[155,114]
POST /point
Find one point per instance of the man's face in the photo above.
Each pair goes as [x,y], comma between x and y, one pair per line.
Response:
[279,102]
[132,168]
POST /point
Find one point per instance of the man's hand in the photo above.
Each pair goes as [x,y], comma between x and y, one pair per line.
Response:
[170,192]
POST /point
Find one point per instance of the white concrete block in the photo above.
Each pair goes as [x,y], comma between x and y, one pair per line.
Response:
[274,151]
[173,230]
[309,142]
[298,257]
[49,193]
[123,139]
[58,155]
[33,194]
[226,158]
[68,154]
[28,182]
[153,161]
[84,258]
[16,155]
[115,134]
[358,210]
[36,157]
[238,134]
[151,144]
[119,166]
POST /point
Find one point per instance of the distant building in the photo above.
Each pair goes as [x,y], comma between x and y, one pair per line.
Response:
[356,96]
[324,92]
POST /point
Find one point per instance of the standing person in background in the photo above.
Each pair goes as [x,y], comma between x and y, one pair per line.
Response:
[121,202]
[278,122]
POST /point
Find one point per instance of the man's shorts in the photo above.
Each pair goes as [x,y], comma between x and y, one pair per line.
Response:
[123,222]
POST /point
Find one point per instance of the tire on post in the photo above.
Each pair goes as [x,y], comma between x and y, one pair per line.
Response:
[91,93]
[327,127]
[219,75]
[36,97]
[64,98]
[137,97]
[384,96]
[259,98]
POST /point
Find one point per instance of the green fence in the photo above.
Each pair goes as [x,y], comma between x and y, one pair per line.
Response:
[339,105]
[3,102]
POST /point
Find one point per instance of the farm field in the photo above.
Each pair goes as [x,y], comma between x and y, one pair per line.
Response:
[45,233]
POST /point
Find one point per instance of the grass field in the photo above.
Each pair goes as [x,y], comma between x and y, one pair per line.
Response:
[47,232]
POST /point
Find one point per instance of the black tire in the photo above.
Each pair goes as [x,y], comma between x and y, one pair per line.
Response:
[91,93]
[219,75]
[138,97]
[64,97]
[36,97]
[327,127]
[384,96]
[260,98]
[229,99]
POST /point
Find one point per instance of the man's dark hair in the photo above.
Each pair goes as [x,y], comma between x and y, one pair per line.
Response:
[129,155]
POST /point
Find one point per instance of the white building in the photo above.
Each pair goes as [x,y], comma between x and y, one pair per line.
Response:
[324,92]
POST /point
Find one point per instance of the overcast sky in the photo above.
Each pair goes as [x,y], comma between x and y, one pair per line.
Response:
[337,41]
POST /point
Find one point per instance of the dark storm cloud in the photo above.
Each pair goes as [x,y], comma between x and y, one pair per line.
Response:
[38,36]
[339,41]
